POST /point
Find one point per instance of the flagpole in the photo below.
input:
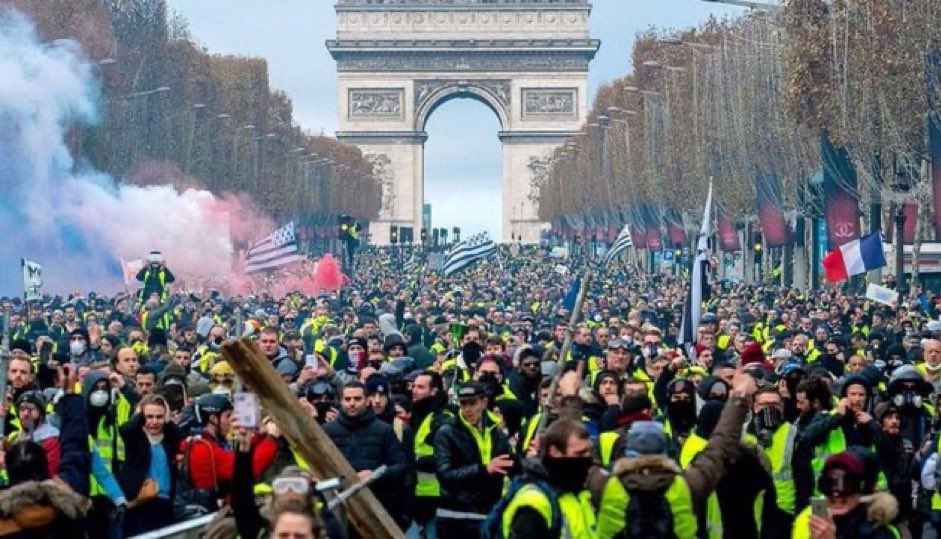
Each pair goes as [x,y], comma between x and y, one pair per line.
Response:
[566,345]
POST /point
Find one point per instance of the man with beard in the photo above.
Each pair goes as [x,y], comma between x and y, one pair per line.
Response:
[812,397]
[897,460]
[850,424]
[429,412]
[524,381]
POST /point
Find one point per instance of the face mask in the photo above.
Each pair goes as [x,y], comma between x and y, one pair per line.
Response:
[77,348]
[907,399]
[769,419]
[682,415]
[99,398]
[568,472]
[322,409]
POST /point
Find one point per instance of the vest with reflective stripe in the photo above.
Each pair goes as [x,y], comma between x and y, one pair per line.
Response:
[780,453]
[578,516]
[615,499]
[109,444]
[694,445]
[427,482]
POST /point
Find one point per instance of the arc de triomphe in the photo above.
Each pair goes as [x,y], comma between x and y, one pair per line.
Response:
[398,60]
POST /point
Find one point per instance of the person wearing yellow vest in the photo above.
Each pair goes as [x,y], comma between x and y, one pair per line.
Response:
[154,277]
[473,456]
[788,454]
[429,412]
[107,409]
[841,481]
[648,494]
[553,502]
[847,425]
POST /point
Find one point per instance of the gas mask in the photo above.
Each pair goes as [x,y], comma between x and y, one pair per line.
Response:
[767,422]
[907,399]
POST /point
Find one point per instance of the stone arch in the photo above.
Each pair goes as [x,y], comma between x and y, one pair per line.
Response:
[429,95]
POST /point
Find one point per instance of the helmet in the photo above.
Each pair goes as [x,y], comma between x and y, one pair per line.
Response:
[36,398]
[210,404]
[320,388]
[908,375]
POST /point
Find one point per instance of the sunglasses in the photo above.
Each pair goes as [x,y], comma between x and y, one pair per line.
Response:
[530,364]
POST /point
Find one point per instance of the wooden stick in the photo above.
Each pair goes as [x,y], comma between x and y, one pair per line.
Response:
[566,345]
[307,437]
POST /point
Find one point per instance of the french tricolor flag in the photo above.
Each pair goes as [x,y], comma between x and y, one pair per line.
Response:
[855,257]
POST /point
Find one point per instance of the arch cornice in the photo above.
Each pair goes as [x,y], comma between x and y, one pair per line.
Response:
[430,94]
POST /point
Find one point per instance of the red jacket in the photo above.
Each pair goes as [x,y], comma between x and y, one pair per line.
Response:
[212,466]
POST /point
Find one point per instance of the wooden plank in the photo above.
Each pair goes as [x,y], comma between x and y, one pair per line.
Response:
[307,437]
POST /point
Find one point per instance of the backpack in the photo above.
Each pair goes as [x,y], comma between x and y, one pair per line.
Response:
[492,527]
[648,516]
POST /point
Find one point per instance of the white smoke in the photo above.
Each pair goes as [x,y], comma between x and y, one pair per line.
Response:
[78,224]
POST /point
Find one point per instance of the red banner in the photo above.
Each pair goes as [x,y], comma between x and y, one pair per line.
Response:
[839,182]
[770,213]
[728,235]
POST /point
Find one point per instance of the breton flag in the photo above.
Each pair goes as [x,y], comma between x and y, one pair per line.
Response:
[276,250]
[466,252]
[854,258]
[32,279]
[696,291]
[620,244]
[410,265]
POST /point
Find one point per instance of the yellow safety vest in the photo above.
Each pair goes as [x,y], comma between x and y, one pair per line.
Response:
[427,482]
[694,445]
[615,499]
[801,528]
[780,453]
[606,442]
[108,443]
[578,516]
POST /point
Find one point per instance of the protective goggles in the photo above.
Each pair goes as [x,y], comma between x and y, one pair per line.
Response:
[836,482]
[296,485]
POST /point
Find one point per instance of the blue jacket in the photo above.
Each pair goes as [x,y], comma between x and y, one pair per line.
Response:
[75,463]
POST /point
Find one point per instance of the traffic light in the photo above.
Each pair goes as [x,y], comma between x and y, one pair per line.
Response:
[756,247]
[394,234]
[424,235]
[344,223]
[457,233]
[444,236]
[435,236]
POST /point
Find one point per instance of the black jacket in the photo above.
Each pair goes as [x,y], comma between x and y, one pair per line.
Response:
[367,443]
[465,484]
[137,455]
[526,391]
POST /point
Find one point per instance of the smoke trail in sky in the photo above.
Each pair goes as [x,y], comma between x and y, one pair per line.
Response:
[78,222]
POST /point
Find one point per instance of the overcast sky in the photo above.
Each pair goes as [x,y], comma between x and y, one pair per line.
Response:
[462,155]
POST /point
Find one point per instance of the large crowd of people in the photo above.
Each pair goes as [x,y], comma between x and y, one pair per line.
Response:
[794,413]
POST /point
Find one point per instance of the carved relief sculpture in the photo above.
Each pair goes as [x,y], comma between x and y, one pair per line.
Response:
[371,104]
[549,103]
